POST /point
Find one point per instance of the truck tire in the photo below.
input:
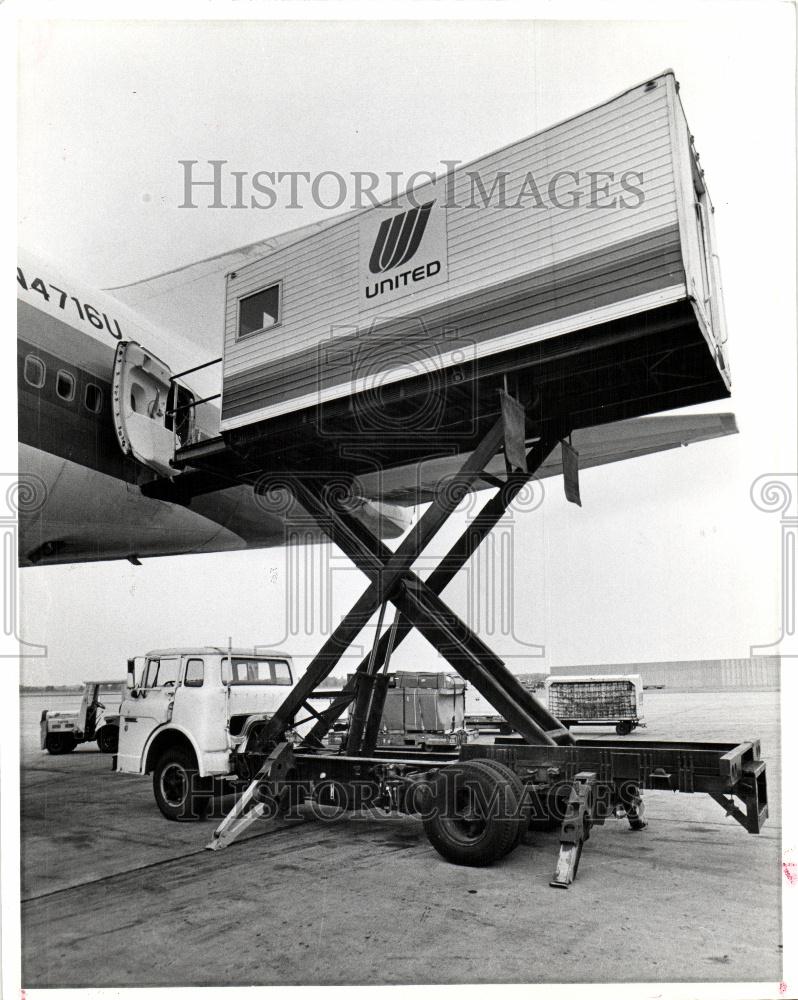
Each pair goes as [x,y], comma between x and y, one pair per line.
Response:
[108,739]
[508,774]
[59,743]
[624,728]
[180,793]
[474,816]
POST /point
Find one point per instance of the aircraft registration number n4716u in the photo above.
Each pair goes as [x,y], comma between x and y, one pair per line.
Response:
[85,310]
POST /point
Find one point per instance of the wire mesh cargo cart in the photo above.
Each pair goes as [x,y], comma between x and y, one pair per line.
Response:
[610,699]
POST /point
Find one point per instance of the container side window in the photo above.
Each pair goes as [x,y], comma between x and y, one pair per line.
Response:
[260,311]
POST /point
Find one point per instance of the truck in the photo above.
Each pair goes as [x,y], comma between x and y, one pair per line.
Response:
[61,732]
[186,710]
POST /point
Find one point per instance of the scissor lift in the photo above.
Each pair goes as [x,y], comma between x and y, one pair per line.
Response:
[476,801]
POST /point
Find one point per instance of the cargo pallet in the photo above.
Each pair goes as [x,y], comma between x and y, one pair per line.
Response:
[476,800]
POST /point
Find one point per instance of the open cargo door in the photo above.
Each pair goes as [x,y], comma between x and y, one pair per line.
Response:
[144,398]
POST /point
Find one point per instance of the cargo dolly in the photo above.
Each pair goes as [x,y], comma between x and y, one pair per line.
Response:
[476,801]
[590,700]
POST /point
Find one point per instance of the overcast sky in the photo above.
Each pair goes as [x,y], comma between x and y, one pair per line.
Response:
[668,558]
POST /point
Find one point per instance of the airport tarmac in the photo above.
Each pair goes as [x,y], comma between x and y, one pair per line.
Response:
[114,895]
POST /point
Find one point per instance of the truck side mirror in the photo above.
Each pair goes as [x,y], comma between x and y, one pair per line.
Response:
[131,674]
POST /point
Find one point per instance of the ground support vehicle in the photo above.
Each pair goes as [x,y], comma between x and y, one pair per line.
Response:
[609,699]
[186,710]
[503,343]
[476,800]
[61,732]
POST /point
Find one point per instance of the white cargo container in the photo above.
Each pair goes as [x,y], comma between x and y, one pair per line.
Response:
[497,266]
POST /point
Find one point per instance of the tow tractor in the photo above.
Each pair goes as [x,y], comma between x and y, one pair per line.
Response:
[61,732]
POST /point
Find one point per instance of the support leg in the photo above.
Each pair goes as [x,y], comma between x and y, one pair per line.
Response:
[635,811]
[575,828]
[260,799]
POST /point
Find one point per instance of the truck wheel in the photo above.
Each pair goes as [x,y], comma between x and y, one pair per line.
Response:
[108,739]
[59,743]
[506,773]
[180,793]
[475,814]
[624,728]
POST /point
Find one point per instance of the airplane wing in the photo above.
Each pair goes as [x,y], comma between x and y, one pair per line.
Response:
[601,445]
[78,524]
[383,498]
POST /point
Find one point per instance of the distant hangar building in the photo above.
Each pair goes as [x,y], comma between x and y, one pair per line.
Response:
[693,675]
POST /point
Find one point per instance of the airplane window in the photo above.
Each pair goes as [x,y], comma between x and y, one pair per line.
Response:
[259,311]
[65,386]
[93,398]
[34,371]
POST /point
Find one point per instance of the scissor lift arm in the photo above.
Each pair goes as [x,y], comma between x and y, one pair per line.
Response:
[541,775]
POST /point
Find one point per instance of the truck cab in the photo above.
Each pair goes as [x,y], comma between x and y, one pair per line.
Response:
[185,710]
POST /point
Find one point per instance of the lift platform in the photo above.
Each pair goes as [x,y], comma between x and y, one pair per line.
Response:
[475,801]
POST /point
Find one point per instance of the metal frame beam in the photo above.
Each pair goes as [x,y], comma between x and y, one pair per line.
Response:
[418,601]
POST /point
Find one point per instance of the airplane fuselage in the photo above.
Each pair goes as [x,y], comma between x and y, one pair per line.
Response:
[84,498]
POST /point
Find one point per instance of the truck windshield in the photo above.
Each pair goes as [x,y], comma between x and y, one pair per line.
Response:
[249,670]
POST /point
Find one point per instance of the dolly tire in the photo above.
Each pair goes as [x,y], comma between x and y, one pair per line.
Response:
[180,793]
[474,817]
